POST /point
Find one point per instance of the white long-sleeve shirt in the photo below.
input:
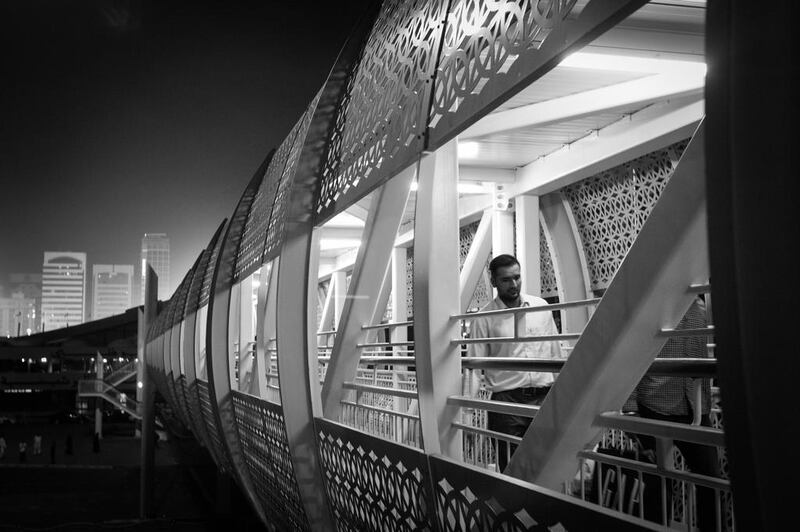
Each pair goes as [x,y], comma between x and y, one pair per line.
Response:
[536,324]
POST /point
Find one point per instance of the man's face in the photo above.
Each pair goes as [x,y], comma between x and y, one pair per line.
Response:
[507,280]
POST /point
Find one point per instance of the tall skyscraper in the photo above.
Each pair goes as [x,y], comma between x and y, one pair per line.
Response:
[63,289]
[112,289]
[155,252]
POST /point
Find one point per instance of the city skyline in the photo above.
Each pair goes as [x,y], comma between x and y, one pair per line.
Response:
[117,112]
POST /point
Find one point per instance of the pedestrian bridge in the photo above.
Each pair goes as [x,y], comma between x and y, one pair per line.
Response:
[318,347]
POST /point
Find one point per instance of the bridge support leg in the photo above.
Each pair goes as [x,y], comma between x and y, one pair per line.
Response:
[148,456]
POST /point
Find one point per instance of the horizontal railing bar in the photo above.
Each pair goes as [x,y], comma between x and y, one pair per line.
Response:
[323,333]
[653,469]
[385,344]
[382,410]
[684,367]
[396,392]
[510,339]
[662,429]
[502,407]
[538,308]
[701,288]
[272,386]
[486,432]
[701,331]
[387,325]
[369,359]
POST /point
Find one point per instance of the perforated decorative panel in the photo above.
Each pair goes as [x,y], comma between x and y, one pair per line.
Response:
[205,289]
[373,484]
[193,295]
[410,281]
[255,232]
[611,207]
[215,444]
[266,451]
[482,42]
[380,120]
[548,273]
[284,185]
[195,415]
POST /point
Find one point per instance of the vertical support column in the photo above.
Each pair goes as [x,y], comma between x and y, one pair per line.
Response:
[752,226]
[98,403]
[260,366]
[148,397]
[339,288]
[246,348]
[569,260]
[502,222]
[527,229]
[436,298]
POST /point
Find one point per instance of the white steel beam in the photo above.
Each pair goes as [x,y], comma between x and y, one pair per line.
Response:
[480,173]
[260,366]
[649,291]
[436,298]
[642,132]
[339,288]
[475,262]
[616,98]
[380,230]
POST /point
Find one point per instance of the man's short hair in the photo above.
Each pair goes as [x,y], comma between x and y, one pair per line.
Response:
[501,261]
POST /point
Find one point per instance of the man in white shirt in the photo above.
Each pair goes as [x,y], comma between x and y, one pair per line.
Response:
[526,387]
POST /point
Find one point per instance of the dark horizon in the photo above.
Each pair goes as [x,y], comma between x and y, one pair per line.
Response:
[130,117]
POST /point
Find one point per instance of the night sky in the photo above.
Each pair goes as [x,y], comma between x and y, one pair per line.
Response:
[121,117]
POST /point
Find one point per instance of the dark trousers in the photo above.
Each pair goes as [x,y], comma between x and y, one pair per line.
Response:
[511,424]
[700,459]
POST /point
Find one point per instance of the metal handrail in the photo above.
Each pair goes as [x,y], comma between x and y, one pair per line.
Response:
[396,392]
[502,407]
[526,309]
[653,469]
[510,339]
[699,331]
[387,325]
[686,367]
[397,361]
[382,410]
[385,344]
[486,432]
[662,429]
[701,288]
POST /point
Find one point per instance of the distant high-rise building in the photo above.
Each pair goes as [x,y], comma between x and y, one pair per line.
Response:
[112,289]
[63,289]
[17,315]
[29,286]
[155,252]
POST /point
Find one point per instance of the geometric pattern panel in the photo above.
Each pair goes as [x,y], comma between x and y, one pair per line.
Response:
[611,207]
[255,232]
[283,187]
[195,417]
[373,484]
[380,117]
[468,498]
[217,453]
[205,289]
[548,272]
[482,42]
[266,452]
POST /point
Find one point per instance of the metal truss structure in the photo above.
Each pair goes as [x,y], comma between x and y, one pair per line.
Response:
[333,386]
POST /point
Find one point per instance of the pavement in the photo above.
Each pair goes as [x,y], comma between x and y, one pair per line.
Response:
[88,490]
